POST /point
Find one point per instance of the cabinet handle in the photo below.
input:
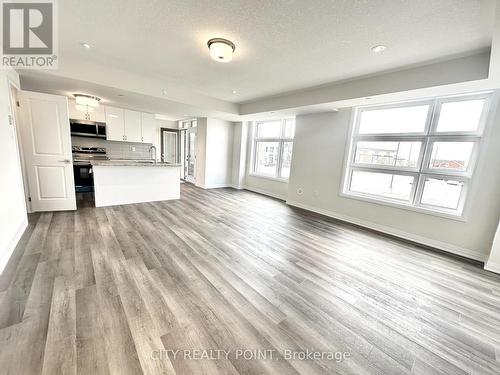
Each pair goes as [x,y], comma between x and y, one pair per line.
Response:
[142,139]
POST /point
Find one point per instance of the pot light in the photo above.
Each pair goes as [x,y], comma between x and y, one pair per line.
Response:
[87,100]
[85,45]
[221,50]
[379,48]
[235,92]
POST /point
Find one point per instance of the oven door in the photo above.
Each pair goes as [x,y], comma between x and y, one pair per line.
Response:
[84,178]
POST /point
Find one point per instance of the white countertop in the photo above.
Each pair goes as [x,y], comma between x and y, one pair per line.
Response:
[131,163]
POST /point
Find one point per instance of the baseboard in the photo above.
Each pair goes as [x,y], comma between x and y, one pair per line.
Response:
[264,192]
[492,267]
[5,256]
[467,253]
[216,186]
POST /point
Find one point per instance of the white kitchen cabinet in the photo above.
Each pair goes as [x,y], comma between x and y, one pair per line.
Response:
[129,126]
[148,127]
[115,124]
[95,113]
[133,126]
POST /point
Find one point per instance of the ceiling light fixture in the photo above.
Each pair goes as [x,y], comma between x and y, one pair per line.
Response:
[379,48]
[86,45]
[221,50]
[235,92]
[87,100]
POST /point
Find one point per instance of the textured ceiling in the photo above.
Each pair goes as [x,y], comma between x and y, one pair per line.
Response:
[281,45]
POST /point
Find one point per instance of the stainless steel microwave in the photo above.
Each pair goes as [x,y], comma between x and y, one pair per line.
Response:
[84,128]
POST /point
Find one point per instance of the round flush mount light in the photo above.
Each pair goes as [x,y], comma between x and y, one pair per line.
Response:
[87,100]
[85,45]
[221,50]
[379,48]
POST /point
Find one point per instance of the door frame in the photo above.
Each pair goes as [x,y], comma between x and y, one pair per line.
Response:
[170,130]
[14,112]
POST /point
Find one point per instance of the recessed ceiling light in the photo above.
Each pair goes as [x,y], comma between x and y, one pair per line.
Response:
[379,48]
[221,50]
[86,45]
[235,92]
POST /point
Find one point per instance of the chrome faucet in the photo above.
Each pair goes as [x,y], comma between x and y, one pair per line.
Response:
[151,152]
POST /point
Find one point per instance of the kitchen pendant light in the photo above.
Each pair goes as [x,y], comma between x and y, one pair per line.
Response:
[87,100]
[221,50]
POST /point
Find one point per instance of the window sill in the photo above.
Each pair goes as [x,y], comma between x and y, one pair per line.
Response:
[276,179]
[403,206]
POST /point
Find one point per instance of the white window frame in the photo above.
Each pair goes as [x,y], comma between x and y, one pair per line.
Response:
[422,170]
[281,141]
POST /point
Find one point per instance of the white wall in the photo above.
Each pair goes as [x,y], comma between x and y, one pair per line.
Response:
[13,218]
[240,133]
[264,185]
[318,153]
[201,149]
[493,263]
[214,153]
[219,152]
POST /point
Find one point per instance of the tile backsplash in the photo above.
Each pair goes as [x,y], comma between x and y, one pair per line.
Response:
[116,150]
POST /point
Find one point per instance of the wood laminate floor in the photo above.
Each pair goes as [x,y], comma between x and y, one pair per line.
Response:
[104,290]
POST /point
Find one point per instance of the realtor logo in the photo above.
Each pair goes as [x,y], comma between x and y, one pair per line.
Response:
[29,34]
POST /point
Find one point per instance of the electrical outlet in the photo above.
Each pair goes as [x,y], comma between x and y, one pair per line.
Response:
[132,148]
[300,191]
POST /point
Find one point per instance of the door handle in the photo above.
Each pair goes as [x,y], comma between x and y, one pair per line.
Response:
[67,161]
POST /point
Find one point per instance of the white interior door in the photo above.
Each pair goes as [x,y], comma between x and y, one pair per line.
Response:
[46,139]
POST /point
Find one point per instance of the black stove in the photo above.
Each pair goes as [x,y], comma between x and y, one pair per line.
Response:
[82,168]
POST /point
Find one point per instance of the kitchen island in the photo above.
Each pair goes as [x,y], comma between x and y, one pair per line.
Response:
[127,181]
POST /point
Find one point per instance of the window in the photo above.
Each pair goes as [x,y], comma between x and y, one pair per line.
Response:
[418,155]
[188,124]
[272,148]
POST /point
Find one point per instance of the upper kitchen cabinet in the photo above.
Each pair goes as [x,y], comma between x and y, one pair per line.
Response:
[129,126]
[133,132]
[93,114]
[148,127]
[115,124]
